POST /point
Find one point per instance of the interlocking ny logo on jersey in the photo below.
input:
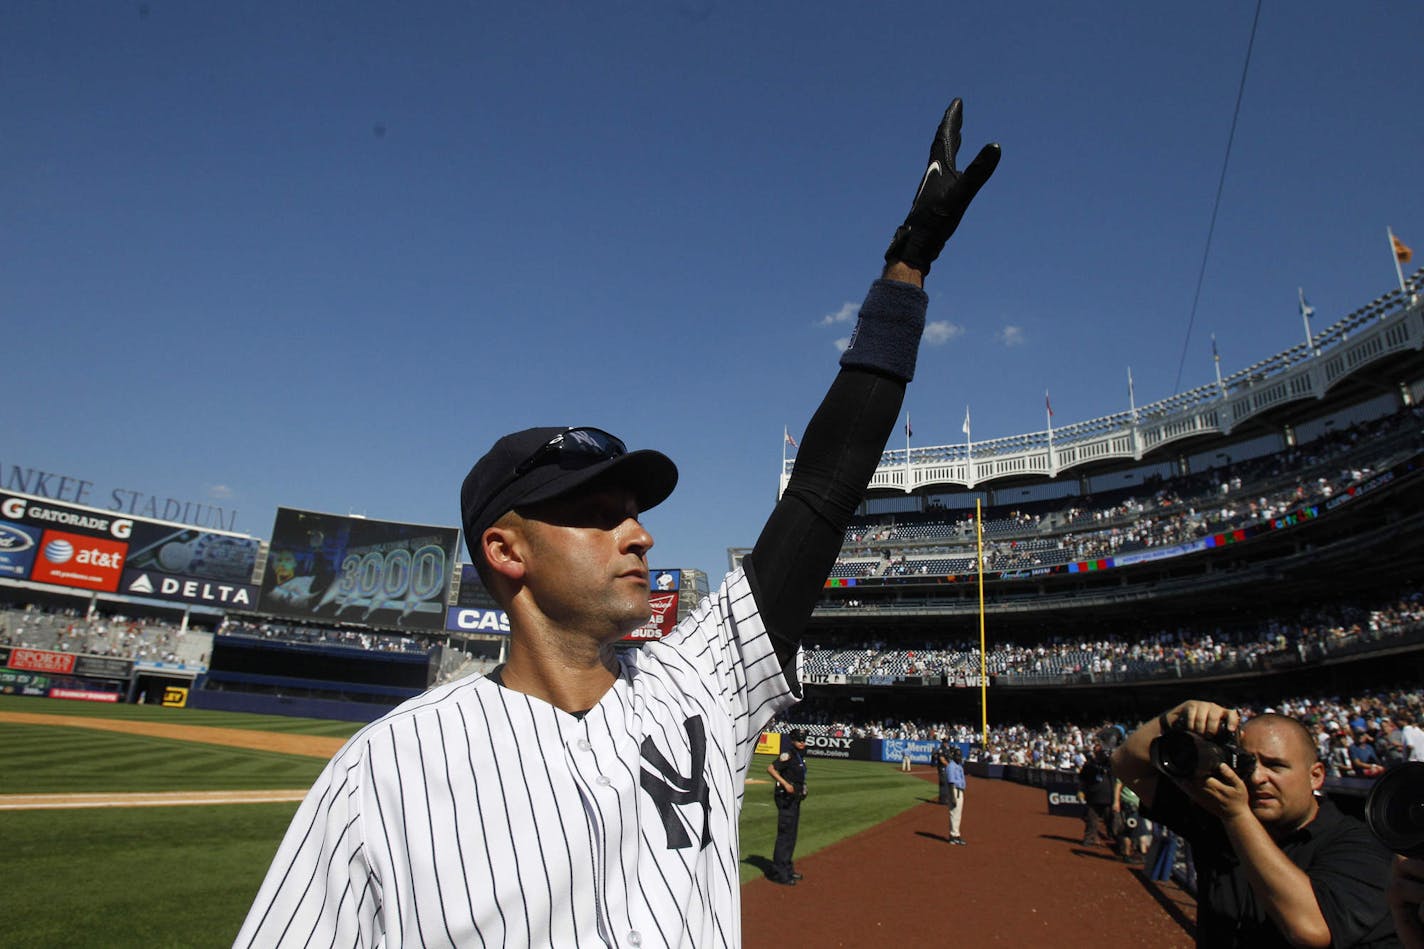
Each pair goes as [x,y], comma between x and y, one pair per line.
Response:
[669,787]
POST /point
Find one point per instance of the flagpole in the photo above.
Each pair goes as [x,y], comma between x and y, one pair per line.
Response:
[1048,412]
[1131,395]
[907,451]
[983,659]
[1394,254]
[1305,312]
[1216,361]
[968,448]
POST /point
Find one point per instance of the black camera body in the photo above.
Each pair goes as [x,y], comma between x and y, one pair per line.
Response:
[1185,755]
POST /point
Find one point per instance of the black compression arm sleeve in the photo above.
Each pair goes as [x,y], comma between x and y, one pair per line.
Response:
[839,452]
[798,546]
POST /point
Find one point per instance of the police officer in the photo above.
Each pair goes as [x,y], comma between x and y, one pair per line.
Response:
[789,773]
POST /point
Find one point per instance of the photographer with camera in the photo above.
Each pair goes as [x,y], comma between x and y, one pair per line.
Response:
[1276,864]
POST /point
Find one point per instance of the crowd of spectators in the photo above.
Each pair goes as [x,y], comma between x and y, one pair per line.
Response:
[301,633]
[1156,515]
[153,639]
[1186,651]
[142,639]
[1341,724]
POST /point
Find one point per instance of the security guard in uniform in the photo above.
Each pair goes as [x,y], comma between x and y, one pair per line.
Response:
[789,773]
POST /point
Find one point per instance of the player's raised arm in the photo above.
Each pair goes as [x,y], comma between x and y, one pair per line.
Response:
[846,435]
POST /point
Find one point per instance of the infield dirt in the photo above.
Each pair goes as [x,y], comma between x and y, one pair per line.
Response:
[1025,879]
[315,746]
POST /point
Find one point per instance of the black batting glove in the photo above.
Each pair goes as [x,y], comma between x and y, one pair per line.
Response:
[943,197]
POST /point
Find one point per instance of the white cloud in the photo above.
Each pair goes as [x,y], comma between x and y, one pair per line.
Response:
[845,314]
[1011,335]
[843,344]
[219,491]
[938,332]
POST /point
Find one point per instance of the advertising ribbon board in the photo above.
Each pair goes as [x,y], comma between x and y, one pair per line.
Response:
[893,749]
[829,746]
[195,590]
[103,667]
[23,683]
[1063,800]
[471,619]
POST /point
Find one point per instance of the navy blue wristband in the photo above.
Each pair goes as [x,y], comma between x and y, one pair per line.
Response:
[887,334]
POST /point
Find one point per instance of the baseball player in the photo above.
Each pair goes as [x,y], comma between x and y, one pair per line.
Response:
[575,797]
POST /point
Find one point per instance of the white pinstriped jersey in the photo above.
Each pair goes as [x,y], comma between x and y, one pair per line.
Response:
[479,816]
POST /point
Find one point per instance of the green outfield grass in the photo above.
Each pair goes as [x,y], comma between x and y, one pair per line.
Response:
[41,759]
[185,876]
[135,877]
[845,798]
[179,716]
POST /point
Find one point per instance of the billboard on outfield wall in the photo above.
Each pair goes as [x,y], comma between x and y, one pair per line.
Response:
[475,610]
[663,590]
[381,573]
[69,545]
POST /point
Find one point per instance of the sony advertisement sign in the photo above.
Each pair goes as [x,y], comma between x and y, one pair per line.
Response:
[827,746]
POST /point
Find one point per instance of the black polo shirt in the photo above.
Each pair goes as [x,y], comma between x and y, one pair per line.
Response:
[1347,867]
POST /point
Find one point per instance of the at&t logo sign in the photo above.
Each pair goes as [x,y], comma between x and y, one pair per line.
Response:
[59,551]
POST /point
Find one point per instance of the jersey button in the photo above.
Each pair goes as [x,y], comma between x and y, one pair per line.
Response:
[603,780]
[583,744]
[635,938]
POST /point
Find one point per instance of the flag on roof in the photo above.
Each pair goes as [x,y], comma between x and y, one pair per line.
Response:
[1402,253]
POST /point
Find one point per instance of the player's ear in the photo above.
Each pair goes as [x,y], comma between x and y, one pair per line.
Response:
[504,549]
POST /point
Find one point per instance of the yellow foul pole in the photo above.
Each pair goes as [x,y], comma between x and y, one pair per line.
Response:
[983,660]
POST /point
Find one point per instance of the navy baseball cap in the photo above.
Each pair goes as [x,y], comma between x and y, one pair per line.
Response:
[541,464]
[797,734]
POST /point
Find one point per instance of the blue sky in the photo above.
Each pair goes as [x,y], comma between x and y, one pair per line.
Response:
[321,255]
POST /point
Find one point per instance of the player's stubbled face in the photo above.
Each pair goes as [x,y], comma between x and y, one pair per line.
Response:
[588,563]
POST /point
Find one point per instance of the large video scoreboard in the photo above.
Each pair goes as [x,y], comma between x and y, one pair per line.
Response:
[354,569]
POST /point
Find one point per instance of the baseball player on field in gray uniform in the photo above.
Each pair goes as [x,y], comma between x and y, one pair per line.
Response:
[576,797]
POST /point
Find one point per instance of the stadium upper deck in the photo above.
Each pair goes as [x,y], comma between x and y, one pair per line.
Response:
[1373,356]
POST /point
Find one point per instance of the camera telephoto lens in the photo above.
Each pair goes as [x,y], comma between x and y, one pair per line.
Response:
[1175,754]
[1395,809]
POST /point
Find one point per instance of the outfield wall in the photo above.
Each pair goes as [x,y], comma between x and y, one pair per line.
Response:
[270,704]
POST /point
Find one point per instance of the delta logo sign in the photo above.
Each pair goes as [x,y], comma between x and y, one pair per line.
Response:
[72,560]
